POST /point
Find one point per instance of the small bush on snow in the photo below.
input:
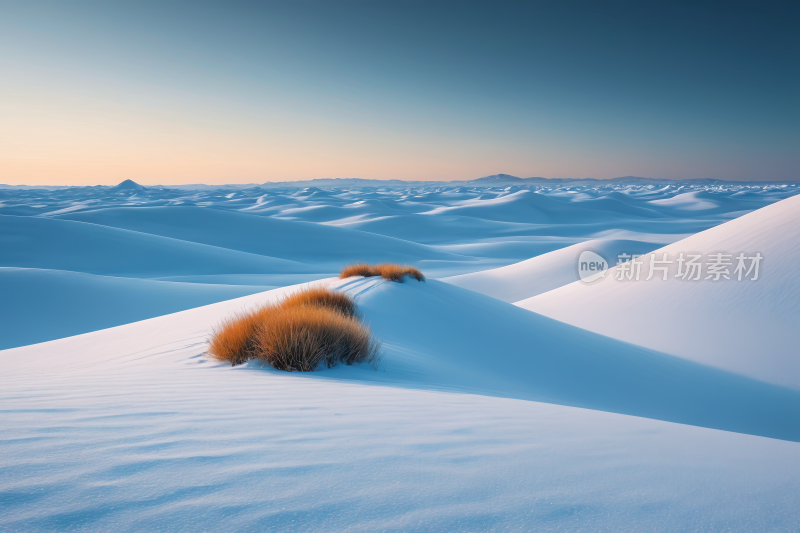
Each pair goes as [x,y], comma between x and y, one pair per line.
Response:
[388,271]
[312,327]
[322,297]
[359,269]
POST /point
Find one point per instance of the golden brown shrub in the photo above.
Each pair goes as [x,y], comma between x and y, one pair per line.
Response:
[311,327]
[393,272]
[322,297]
[233,339]
[303,338]
[388,271]
[358,269]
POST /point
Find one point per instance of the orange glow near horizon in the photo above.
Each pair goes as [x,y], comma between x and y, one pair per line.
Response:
[179,93]
[46,140]
[62,146]
[55,143]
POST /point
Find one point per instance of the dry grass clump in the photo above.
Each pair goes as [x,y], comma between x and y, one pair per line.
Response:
[234,339]
[312,327]
[322,297]
[359,269]
[303,338]
[388,271]
[394,272]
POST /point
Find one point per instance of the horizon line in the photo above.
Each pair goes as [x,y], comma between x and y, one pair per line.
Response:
[492,178]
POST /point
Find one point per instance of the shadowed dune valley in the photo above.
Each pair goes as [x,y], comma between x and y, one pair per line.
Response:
[399,267]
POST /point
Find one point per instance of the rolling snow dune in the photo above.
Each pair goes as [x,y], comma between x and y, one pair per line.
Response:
[481,416]
[688,201]
[446,337]
[532,207]
[747,327]
[134,428]
[433,229]
[76,303]
[45,243]
[542,273]
[509,249]
[287,239]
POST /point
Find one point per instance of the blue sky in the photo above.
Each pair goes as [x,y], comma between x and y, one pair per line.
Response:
[184,92]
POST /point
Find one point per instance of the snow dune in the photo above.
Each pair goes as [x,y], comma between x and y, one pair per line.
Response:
[45,243]
[688,201]
[446,338]
[72,303]
[152,435]
[431,229]
[483,415]
[747,327]
[267,236]
[542,273]
[532,207]
[442,336]
[92,269]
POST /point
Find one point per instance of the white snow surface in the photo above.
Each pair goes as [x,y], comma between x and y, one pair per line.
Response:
[262,237]
[481,416]
[134,428]
[542,273]
[747,327]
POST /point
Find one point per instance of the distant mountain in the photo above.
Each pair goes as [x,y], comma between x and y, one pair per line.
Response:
[497,177]
[626,179]
[130,185]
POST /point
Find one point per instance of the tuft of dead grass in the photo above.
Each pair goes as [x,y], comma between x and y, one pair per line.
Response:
[234,338]
[359,269]
[322,297]
[393,272]
[312,327]
[388,271]
[304,338]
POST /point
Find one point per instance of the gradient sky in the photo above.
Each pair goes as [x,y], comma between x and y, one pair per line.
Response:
[238,92]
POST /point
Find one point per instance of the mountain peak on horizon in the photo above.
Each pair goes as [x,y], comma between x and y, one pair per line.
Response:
[130,185]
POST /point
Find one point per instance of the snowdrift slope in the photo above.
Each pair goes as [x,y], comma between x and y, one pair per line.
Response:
[133,428]
[42,305]
[529,206]
[446,338]
[287,239]
[31,242]
[542,273]
[233,236]
[748,327]
[441,336]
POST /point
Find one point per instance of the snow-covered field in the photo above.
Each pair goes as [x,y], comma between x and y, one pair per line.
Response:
[649,405]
